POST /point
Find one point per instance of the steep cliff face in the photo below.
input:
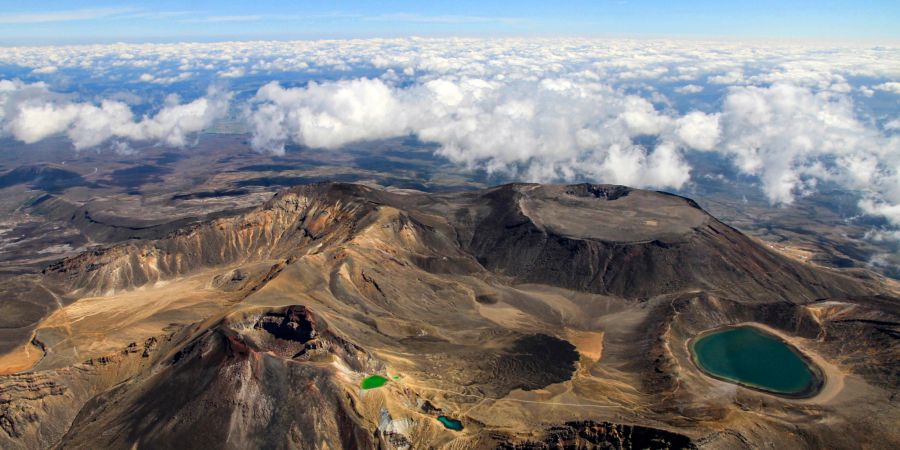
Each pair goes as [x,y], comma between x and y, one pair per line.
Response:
[525,231]
[594,436]
[283,227]
[574,237]
[99,228]
[37,408]
[261,379]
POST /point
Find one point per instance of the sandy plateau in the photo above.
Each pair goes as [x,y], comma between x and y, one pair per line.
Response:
[20,359]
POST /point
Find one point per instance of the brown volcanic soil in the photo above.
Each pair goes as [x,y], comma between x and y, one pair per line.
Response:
[255,329]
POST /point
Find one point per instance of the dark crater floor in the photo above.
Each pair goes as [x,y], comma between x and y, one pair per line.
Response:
[533,362]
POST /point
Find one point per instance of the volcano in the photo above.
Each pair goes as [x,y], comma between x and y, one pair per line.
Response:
[535,316]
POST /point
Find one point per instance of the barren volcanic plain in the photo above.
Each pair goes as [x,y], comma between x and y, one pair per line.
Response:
[519,316]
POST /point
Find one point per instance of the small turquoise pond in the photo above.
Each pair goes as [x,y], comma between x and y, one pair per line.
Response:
[756,359]
[373,381]
[450,424]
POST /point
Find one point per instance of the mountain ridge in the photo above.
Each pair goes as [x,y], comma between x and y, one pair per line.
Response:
[515,297]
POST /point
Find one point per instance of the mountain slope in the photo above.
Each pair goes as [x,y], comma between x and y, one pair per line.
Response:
[536,315]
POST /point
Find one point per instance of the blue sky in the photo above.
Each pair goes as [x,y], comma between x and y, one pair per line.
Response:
[55,22]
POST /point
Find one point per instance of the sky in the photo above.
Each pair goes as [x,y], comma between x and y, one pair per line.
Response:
[66,22]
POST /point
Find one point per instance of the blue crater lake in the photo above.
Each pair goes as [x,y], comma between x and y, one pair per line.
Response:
[753,358]
[451,424]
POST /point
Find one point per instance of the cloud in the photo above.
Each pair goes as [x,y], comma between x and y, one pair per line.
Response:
[61,16]
[148,78]
[893,86]
[31,112]
[794,115]
[325,115]
[615,61]
[689,89]
[233,72]
[731,77]
[155,15]
[221,19]
[443,19]
[698,130]
[46,70]
[548,130]
[791,137]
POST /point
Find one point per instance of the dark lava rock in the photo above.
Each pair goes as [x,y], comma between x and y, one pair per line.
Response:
[534,362]
[608,192]
[295,324]
[591,435]
[49,179]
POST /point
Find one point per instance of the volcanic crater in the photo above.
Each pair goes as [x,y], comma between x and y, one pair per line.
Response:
[539,316]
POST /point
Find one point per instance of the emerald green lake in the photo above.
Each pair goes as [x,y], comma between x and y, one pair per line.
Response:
[749,356]
[450,424]
[372,382]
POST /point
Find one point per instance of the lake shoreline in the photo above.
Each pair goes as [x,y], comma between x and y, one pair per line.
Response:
[816,387]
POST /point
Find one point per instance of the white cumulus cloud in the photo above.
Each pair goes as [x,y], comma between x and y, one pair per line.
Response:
[791,136]
[792,114]
[892,86]
[689,89]
[31,112]
[552,129]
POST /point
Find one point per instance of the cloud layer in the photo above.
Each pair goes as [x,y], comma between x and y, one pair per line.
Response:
[31,112]
[619,111]
[792,137]
[547,130]
[614,60]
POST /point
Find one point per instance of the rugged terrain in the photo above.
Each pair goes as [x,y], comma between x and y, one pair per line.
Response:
[55,203]
[539,316]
